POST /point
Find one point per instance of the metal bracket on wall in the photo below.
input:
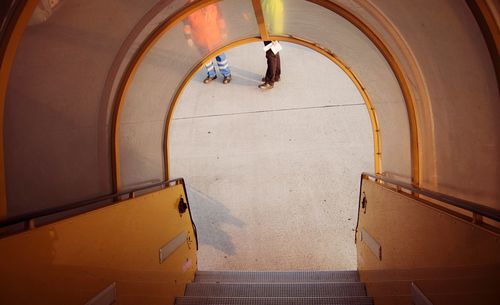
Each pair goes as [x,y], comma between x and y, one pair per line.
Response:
[182,206]
[372,244]
[172,245]
[364,202]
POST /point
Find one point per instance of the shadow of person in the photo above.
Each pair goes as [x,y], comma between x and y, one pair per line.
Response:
[245,77]
[209,215]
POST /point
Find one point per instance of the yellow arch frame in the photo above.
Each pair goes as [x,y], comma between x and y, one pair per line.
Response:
[329,55]
[129,74]
[169,23]
[7,53]
[398,73]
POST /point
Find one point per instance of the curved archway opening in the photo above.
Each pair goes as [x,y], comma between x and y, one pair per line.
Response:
[273,176]
[389,97]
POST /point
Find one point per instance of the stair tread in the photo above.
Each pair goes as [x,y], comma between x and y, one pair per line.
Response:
[276,276]
[274,301]
[276,289]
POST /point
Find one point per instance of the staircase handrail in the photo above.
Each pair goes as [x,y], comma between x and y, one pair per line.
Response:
[473,207]
[28,218]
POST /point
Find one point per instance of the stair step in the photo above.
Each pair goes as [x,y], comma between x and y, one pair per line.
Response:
[276,277]
[274,301]
[276,290]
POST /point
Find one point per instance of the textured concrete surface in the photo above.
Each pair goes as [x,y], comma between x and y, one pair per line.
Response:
[273,176]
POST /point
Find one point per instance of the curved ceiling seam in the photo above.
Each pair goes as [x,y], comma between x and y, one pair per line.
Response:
[259,15]
[8,55]
[487,17]
[113,83]
[130,73]
[421,91]
[398,73]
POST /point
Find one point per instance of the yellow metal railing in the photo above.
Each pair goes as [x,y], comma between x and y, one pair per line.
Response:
[60,212]
[478,211]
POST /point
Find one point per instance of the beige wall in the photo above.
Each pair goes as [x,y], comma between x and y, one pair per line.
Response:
[60,99]
[446,61]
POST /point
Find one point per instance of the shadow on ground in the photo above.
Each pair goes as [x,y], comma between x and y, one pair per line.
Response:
[209,215]
[240,77]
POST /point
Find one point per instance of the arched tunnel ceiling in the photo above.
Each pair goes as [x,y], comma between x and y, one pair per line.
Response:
[69,70]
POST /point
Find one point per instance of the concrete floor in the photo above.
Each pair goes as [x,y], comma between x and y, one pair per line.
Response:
[273,176]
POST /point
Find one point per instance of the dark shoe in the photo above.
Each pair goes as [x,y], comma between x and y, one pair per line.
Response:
[227,79]
[209,79]
[266,86]
[276,80]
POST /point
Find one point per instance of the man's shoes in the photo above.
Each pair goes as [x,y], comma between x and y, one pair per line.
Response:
[227,79]
[266,86]
[209,79]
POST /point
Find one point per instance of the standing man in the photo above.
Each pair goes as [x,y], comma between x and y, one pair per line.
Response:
[273,17]
[273,71]
[204,28]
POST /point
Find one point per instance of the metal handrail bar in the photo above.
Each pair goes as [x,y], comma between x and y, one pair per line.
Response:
[80,204]
[457,202]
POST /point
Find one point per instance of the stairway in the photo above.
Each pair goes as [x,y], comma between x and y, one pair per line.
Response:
[275,288]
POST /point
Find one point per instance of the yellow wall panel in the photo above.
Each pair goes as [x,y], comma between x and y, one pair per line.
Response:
[71,261]
[451,259]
